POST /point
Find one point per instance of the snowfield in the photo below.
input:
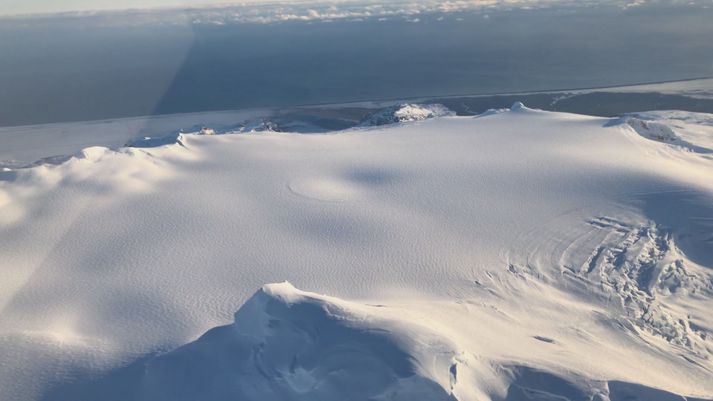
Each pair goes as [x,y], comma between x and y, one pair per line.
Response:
[517,255]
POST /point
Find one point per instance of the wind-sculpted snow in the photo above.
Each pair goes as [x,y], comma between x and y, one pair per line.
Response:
[640,271]
[653,130]
[288,344]
[516,255]
[692,131]
[405,113]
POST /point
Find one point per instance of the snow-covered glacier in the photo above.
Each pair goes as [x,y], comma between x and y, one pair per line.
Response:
[516,255]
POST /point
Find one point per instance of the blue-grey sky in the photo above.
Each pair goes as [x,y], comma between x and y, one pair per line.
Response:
[13,7]
[371,7]
[51,6]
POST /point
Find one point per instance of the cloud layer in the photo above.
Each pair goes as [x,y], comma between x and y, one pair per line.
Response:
[261,12]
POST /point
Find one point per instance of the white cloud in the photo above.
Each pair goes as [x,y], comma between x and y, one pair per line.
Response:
[261,12]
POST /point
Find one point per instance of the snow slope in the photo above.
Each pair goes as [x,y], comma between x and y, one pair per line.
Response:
[518,255]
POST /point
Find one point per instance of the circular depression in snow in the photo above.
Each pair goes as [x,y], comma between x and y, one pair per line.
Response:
[322,189]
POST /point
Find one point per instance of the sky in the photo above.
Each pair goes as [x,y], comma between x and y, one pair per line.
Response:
[9,7]
[21,7]
[15,7]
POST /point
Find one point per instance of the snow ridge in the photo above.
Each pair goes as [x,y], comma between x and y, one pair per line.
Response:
[294,345]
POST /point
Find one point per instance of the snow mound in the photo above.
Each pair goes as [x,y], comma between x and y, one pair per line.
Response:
[405,113]
[518,106]
[653,130]
[690,131]
[286,344]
